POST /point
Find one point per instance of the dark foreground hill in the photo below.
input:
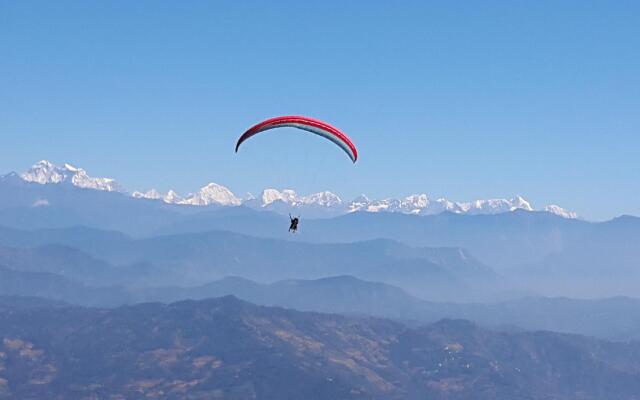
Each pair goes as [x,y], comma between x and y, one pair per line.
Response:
[226,348]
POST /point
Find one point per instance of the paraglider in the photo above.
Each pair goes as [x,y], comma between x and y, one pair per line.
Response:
[294,224]
[312,125]
[306,124]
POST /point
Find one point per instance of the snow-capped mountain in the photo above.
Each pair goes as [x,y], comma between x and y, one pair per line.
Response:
[414,204]
[270,196]
[211,194]
[151,195]
[322,204]
[557,210]
[44,172]
[494,206]
[324,199]
[172,197]
[418,204]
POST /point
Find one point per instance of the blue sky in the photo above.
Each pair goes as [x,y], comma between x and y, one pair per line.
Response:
[464,100]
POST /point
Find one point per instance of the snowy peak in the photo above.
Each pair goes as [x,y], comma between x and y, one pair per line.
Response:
[269,196]
[290,197]
[557,210]
[212,194]
[324,199]
[520,203]
[317,205]
[151,195]
[172,197]
[45,172]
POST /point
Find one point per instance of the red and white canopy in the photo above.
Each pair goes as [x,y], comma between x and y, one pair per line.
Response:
[307,124]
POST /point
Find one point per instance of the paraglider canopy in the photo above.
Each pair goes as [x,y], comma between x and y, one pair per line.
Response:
[307,124]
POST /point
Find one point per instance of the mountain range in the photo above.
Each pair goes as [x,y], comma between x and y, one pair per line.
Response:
[532,252]
[323,204]
[389,272]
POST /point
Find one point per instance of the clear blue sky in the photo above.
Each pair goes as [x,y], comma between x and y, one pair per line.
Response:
[460,99]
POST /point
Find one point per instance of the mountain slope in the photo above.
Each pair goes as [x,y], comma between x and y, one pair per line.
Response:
[65,261]
[28,205]
[590,263]
[339,294]
[55,287]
